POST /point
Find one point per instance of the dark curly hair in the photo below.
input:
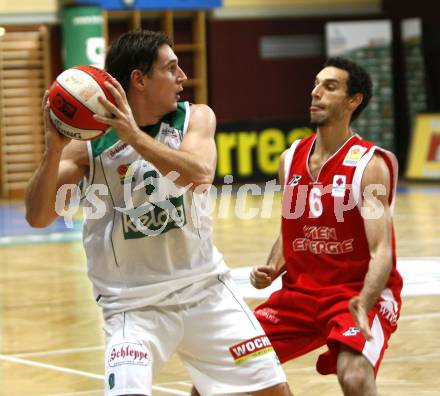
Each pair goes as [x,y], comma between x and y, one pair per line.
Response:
[134,50]
[359,81]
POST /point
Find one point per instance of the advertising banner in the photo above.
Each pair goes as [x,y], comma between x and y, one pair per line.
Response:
[83,39]
[424,154]
[251,151]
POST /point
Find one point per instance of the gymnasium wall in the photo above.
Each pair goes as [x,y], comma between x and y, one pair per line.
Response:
[8,6]
[426,10]
[243,85]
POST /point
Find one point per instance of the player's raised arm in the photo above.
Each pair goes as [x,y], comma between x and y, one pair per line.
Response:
[64,161]
[196,159]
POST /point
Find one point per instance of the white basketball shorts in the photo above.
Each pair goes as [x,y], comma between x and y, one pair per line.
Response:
[218,338]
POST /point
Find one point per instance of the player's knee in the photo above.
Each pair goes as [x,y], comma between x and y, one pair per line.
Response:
[354,382]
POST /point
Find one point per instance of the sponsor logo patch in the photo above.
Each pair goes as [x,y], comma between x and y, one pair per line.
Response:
[122,172]
[389,308]
[157,219]
[294,180]
[271,315]
[354,155]
[67,108]
[116,150]
[128,353]
[169,135]
[251,349]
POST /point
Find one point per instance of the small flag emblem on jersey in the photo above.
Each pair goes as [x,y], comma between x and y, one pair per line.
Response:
[354,155]
[339,185]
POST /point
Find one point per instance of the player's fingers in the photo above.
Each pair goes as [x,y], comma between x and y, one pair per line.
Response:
[353,305]
[364,326]
[105,120]
[260,273]
[119,87]
[259,284]
[259,279]
[110,107]
[44,102]
[367,333]
[46,118]
[360,317]
[118,94]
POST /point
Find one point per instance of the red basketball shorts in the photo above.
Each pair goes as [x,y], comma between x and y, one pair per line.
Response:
[298,323]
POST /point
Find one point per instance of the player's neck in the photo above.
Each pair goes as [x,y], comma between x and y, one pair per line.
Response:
[144,114]
[145,118]
[330,139]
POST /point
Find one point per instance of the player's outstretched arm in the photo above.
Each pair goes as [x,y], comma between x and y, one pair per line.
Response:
[64,161]
[263,275]
[376,185]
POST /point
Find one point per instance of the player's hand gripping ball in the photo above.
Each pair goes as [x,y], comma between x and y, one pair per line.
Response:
[73,99]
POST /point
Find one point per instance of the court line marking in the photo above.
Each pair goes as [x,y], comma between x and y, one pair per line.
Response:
[81,373]
[19,360]
[421,276]
[431,315]
[59,351]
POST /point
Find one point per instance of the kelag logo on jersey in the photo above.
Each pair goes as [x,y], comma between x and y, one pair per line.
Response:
[157,219]
[159,204]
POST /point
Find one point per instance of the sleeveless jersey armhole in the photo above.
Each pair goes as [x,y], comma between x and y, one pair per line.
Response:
[289,158]
[187,115]
[392,164]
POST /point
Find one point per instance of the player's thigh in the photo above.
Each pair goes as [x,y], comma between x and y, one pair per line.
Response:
[289,320]
[138,342]
[343,331]
[225,348]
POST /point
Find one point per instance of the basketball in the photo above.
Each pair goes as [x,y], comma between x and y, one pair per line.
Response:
[73,99]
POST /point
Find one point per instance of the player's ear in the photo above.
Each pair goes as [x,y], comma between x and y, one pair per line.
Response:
[355,100]
[137,79]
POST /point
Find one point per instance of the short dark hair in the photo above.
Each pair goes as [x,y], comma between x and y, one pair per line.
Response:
[134,50]
[359,81]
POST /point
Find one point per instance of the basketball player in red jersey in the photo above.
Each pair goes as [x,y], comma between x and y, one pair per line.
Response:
[341,286]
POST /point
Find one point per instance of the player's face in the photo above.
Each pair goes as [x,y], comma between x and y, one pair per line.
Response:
[165,81]
[329,97]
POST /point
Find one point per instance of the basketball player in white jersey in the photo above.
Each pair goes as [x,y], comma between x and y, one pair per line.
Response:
[162,285]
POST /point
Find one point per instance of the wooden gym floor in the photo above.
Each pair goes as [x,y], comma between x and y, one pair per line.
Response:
[51,341]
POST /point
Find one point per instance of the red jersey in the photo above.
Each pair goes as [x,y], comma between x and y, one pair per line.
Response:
[324,240]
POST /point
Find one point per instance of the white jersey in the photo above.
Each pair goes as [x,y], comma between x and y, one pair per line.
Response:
[153,238]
